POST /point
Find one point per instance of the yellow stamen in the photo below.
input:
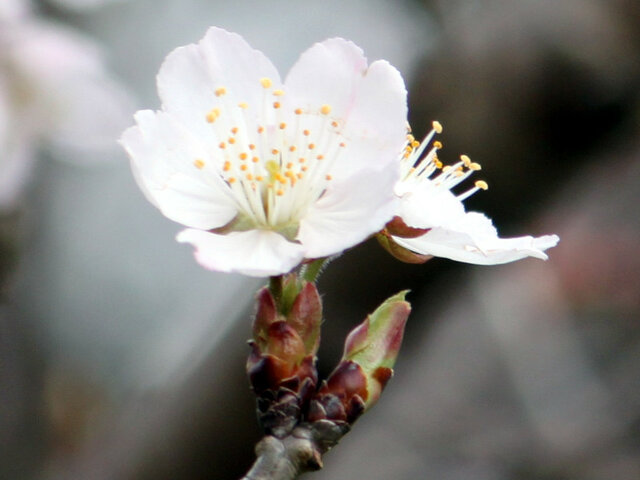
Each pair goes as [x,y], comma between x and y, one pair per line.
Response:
[482,185]
[199,163]
[266,82]
[220,91]
[278,93]
[213,115]
[437,126]
[325,109]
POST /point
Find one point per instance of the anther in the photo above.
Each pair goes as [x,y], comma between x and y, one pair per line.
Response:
[252,146]
[282,126]
[275,151]
[298,111]
[255,159]
[328,177]
[325,109]
[222,145]
[481,184]
[437,144]
[243,105]
[474,166]
[198,163]
[243,156]
[243,167]
[266,82]
[220,91]
[212,115]
[276,104]
[306,132]
[312,146]
[466,160]
[234,130]
[278,93]
[231,140]
[342,144]
[292,148]
[334,124]
[320,157]
[260,129]
[231,180]
[227,166]
[437,126]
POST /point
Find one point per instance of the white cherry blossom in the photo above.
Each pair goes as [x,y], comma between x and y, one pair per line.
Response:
[268,172]
[428,203]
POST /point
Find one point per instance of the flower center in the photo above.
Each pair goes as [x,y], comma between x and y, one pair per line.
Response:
[275,159]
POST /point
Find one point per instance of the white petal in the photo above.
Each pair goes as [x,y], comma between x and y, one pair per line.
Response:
[348,212]
[190,75]
[473,239]
[368,102]
[327,73]
[428,206]
[258,253]
[162,158]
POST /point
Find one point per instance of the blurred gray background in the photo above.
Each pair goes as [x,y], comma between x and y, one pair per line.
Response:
[120,358]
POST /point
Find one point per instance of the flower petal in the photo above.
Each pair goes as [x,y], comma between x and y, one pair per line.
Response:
[474,239]
[190,75]
[348,212]
[429,206]
[368,103]
[258,253]
[162,158]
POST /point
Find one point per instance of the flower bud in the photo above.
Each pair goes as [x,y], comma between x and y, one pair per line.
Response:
[281,366]
[370,352]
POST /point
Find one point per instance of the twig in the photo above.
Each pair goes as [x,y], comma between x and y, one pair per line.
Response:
[299,452]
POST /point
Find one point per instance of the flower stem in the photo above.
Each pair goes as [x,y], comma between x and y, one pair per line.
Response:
[299,452]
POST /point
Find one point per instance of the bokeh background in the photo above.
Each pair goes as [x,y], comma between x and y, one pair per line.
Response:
[120,358]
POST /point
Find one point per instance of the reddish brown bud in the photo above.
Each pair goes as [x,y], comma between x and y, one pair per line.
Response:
[306,316]
[266,314]
[374,344]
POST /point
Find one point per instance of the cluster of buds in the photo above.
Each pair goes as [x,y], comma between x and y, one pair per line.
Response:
[282,363]
[281,366]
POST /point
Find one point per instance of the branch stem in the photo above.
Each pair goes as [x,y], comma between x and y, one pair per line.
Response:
[285,459]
